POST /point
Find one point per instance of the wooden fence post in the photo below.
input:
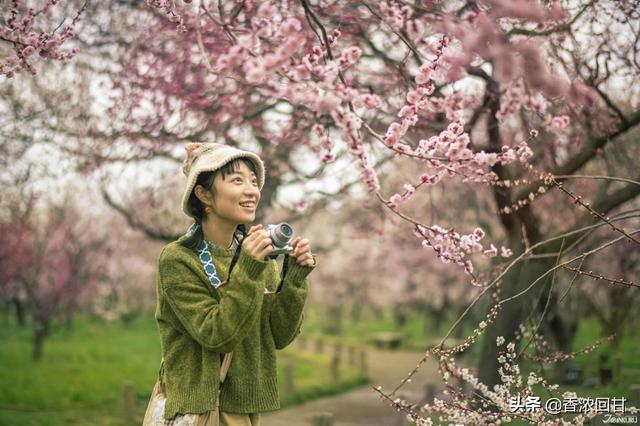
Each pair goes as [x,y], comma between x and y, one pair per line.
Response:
[588,365]
[363,362]
[337,349]
[634,396]
[335,368]
[617,368]
[128,402]
[352,356]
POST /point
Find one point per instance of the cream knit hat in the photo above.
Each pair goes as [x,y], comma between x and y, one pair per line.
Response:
[207,157]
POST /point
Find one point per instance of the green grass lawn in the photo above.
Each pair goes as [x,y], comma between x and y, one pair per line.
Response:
[80,380]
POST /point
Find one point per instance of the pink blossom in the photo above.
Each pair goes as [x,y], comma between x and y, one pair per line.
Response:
[505,252]
[429,180]
[266,10]
[317,129]
[254,71]
[447,137]
[402,148]
[413,96]
[290,27]
[415,29]
[349,57]
[422,79]
[456,128]
[491,252]
[391,139]
[371,101]
[327,158]
[486,159]
[508,155]
[327,103]
[410,189]
[560,121]
[395,200]
[524,152]
[248,41]
[407,112]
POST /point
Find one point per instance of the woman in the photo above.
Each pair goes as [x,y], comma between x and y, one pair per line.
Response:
[217,294]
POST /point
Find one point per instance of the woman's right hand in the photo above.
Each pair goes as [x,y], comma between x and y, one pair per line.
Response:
[257,243]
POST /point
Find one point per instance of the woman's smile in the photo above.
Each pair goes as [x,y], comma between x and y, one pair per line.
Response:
[248,205]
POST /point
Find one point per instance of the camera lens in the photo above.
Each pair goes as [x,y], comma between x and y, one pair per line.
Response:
[281,234]
[286,230]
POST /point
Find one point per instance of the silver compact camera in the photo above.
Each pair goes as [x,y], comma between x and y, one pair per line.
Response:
[281,236]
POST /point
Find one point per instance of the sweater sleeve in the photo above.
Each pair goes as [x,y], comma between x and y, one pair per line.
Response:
[286,315]
[218,326]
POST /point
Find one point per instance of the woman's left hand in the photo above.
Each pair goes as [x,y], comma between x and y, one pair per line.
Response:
[302,252]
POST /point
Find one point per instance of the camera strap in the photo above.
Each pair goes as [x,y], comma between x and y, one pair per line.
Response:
[285,267]
[207,262]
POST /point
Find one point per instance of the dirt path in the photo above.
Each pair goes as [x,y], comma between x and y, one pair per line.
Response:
[362,406]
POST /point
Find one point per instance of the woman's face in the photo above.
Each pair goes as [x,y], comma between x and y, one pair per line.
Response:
[236,195]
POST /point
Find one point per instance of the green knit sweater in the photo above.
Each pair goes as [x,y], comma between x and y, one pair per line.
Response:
[198,323]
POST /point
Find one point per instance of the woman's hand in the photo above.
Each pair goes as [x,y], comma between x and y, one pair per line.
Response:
[257,244]
[302,252]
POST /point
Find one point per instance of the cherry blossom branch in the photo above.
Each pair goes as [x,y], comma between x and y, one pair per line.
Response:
[611,178]
[619,281]
[560,356]
[581,256]
[578,200]
[19,31]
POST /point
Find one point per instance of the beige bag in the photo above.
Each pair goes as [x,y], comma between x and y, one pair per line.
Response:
[154,416]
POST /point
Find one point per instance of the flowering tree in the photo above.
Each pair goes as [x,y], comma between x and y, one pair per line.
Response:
[516,99]
[47,260]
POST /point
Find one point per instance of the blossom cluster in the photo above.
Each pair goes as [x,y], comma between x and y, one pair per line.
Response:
[323,144]
[168,7]
[496,405]
[452,247]
[21,32]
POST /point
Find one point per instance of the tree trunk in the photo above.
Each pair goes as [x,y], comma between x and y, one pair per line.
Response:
[39,335]
[512,314]
[563,331]
[68,321]
[20,313]
[334,325]
[399,317]
[356,311]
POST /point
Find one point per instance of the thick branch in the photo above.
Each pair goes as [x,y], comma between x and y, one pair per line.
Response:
[135,223]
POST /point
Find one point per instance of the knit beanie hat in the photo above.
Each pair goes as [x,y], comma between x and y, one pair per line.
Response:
[207,157]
